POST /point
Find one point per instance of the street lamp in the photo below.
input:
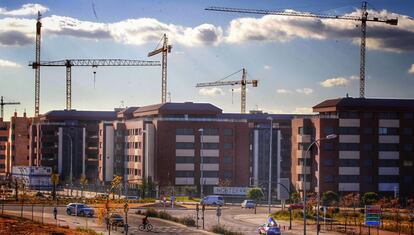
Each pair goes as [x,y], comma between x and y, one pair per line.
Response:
[71,162]
[269,196]
[331,136]
[201,130]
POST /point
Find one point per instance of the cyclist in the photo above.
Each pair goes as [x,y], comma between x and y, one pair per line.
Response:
[145,221]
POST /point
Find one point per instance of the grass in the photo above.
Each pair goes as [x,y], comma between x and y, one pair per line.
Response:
[185,199]
[88,231]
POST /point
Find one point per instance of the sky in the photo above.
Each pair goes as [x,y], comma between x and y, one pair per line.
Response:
[298,61]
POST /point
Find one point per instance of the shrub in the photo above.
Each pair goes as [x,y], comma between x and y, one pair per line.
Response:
[164,215]
[188,221]
[222,230]
[152,213]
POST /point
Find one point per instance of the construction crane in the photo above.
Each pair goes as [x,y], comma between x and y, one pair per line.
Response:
[165,49]
[36,64]
[363,19]
[243,83]
[69,63]
[2,104]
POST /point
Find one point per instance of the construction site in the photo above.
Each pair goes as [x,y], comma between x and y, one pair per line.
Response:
[194,145]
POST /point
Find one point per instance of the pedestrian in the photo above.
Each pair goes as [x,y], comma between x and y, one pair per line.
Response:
[55,213]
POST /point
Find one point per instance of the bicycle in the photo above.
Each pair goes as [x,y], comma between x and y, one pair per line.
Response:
[145,227]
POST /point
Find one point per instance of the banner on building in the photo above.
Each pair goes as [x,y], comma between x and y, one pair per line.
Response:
[236,191]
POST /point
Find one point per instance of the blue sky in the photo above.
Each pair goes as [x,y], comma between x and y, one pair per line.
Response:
[298,62]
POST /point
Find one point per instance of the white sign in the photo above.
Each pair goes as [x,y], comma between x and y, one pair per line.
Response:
[242,191]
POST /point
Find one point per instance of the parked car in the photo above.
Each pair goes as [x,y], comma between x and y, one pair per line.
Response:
[101,196]
[214,200]
[79,209]
[296,206]
[269,230]
[248,204]
[115,220]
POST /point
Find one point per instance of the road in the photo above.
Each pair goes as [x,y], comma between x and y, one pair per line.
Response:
[160,226]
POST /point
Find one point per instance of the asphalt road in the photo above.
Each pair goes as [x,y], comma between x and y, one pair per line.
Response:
[160,227]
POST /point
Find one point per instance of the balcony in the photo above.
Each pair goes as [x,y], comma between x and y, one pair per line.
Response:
[303,138]
[349,122]
[299,170]
[388,123]
[184,181]
[349,139]
[348,187]
[349,170]
[388,170]
[299,185]
[389,139]
[348,154]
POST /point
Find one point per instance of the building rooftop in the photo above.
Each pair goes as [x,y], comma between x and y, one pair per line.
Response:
[60,115]
[127,112]
[371,104]
[178,108]
[256,116]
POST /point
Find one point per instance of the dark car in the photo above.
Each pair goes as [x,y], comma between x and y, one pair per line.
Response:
[79,209]
[115,220]
[296,206]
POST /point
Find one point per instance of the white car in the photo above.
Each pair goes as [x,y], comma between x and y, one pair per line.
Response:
[214,200]
[248,204]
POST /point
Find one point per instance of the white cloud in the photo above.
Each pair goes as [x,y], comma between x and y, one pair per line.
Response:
[283,91]
[303,110]
[25,10]
[8,63]
[411,70]
[284,28]
[354,77]
[306,91]
[337,81]
[214,91]
[267,67]
[179,52]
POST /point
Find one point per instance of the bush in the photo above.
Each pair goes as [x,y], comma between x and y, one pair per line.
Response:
[188,221]
[164,215]
[152,213]
[222,230]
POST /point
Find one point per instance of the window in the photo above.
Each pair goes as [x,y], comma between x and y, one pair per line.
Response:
[349,162]
[301,162]
[2,157]
[210,174]
[210,160]
[328,130]
[328,146]
[367,115]
[408,179]
[227,174]
[228,132]
[408,131]
[349,130]
[180,159]
[407,163]
[388,115]
[184,174]
[348,178]
[388,147]
[328,178]
[368,147]
[328,162]
[211,146]
[211,131]
[367,162]
[350,115]
[184,145]
[3,138]
[2,166]
[303,146]
[388,163]
[387,131]
[388,178]
[228,145]
[348,147]
[368,131]
[184,131]
[305,130]
[136,171]
[228,160]
[408,147]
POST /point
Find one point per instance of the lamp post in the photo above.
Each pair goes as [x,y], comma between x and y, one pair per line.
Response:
[201,130]
[331,136]
[71,162]
[269,196]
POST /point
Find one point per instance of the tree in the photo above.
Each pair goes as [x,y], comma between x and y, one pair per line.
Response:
[83,180]
[329,198]
[55,181]
[255,194]
[295,197]
[143,188]
[115,184]
[370,198]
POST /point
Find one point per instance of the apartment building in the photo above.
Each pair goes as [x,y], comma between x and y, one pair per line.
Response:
[19,151]
[373,151]
[4,136]
[181,145]
[67,141]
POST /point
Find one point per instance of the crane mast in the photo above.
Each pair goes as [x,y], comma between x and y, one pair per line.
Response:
[69,63]
[36,64]
[2,104]
[165,49]
[363,19]
[243,85]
